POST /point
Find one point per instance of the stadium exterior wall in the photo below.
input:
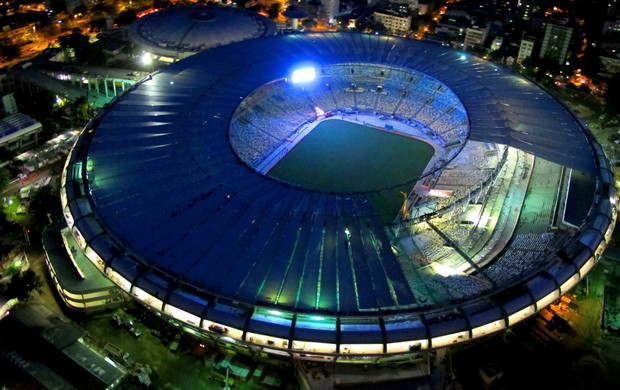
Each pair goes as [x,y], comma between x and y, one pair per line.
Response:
[390,334]
[319,334]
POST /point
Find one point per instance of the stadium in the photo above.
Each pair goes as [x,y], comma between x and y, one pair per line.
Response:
[339,196]
[171,34]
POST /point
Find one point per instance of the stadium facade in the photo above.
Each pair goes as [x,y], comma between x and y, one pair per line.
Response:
[162,198]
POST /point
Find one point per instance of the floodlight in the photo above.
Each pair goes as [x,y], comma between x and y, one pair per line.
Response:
[146,58]
[303,75]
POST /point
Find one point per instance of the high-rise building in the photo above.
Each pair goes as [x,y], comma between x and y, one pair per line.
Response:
[326,10]
[403,5]
[525,8]
[525,48]
[476,36]
[611,27]
[396,23]
[332,8]
[555,42]
[9,105]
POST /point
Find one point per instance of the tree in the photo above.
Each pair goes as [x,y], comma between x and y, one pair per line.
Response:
[102,9]
[35,105]
[590,63]
[11,236]
[9,51]
[80,10]
[23,284]
[309,23]
[44,202]
[612,97]
[77,42]
[96,55]
[369,25]
[162,4]
[497,55]
[5,177]
[126,17]
[274,10]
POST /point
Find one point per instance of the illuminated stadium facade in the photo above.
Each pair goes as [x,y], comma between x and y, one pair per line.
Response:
[168,193]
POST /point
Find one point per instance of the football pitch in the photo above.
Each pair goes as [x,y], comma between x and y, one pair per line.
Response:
[341,156]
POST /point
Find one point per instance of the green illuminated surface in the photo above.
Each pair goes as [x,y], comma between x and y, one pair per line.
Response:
[340,156]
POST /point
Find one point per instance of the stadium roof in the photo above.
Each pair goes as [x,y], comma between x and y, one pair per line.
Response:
[183,31]
[14,123]
[181,209]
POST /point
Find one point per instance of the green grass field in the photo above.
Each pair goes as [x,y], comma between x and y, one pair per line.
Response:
[340,156]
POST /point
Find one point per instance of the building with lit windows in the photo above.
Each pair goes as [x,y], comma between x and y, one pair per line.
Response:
[476,36]
[452,27]
[404,5]
[611,27]
[610,63]
[526,48]
[396,23]
[167,193]
[555,42]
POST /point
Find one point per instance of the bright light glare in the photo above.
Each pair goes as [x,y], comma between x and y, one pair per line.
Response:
[444,270]
[146,58]
[303,75]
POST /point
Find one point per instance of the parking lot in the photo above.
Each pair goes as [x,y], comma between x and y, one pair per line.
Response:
[135,337]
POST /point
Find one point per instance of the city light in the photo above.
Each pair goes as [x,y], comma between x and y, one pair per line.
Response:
[146,58]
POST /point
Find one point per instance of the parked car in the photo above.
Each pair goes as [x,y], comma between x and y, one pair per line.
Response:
[132,328]
[134,331]
[117,320]
[174,345]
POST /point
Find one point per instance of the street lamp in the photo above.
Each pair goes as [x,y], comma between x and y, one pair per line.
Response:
[226,387]
[147,59]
